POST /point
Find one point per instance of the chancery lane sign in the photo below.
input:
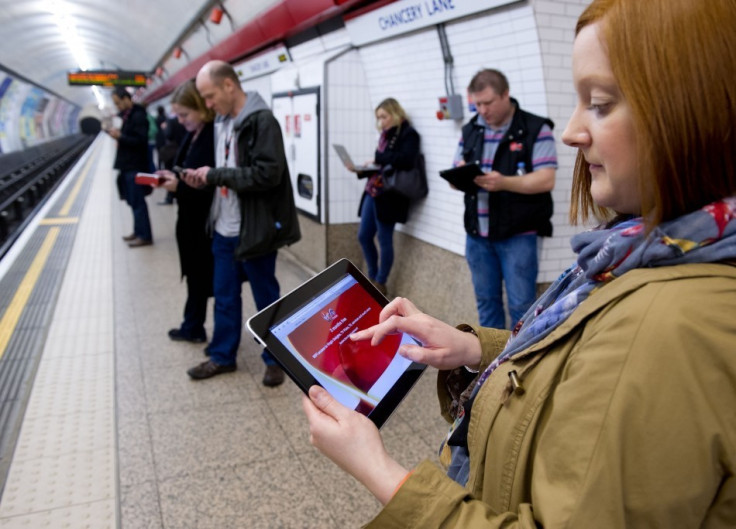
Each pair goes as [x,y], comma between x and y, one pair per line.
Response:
[409,15]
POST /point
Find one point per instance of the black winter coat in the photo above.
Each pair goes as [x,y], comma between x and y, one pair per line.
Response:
[195,245]
[132,154]
[400,153]
[261,180]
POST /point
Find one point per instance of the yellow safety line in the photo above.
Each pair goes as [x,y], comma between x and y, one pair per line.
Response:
[18,303]
[75,190]
[53,221]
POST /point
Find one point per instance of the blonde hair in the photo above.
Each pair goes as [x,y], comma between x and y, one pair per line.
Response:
[673,61]
[393,109]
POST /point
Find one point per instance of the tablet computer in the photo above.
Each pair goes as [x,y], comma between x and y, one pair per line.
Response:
[462,177]
[308,333]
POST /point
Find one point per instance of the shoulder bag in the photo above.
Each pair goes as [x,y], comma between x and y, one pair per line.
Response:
[411,183]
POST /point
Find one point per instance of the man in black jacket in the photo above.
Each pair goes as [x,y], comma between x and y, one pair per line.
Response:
[131,158]
[253,213]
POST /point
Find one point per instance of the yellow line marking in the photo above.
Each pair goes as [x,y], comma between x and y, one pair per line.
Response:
[53,221]
[75,190]
[18,303]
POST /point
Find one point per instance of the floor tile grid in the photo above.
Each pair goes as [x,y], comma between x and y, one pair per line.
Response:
[64,469]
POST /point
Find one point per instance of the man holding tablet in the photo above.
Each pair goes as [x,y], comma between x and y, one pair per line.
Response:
[510,205]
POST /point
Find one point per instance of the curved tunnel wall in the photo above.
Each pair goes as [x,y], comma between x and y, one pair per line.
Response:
[29,115]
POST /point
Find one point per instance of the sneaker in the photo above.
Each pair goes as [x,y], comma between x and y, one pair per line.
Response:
[178,336]
[273,377]
[209,369]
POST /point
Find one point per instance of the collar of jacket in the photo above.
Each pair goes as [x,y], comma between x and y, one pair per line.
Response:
[622,286]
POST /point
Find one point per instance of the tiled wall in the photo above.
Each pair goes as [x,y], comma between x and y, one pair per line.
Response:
[350,122]
[529,41]
[555,21]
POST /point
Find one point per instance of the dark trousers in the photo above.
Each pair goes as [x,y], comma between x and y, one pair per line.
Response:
[195,308]
[135,196]
[230,273]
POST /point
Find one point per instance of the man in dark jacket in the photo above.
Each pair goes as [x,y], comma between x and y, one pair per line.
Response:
[511,206]
[253,212]
[131,158]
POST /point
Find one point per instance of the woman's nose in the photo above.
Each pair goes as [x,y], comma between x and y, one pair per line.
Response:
[575,135]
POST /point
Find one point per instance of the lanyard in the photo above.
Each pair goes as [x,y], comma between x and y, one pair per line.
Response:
[228,141]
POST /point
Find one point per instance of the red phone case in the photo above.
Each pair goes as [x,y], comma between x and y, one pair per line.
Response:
[148,179]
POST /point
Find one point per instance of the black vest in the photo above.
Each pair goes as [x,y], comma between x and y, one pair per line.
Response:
[508,213]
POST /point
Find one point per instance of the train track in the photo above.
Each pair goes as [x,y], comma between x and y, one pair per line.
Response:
[27,178]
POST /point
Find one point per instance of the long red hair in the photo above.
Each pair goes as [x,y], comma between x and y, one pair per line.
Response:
[674,61]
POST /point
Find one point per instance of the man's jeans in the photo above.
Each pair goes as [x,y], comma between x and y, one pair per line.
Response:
[136,198]
[230,273]
[514,261]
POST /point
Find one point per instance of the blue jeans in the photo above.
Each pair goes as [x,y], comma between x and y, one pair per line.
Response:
[230,273]
[513,260]
[369,226]
[136,199]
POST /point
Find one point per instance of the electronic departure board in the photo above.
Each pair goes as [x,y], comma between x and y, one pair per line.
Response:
[107,78]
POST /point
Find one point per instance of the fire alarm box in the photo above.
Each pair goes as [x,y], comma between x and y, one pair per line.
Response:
[451,107]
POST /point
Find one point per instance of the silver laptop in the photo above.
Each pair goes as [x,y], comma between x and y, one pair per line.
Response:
[348,161]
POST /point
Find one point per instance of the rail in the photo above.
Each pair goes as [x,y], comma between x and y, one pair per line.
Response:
[27,177]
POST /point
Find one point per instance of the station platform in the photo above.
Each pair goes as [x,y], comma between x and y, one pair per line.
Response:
[102,426]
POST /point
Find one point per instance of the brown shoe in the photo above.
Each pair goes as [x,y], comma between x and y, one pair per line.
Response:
[209,369]
[128,238]
[135,243]
[274,376]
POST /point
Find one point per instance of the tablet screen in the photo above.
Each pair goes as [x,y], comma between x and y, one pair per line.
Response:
[308,332]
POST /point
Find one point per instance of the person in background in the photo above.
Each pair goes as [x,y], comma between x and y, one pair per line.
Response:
[132,158]
[379,210]
[160,120]
[172,136]
[194,243]
[512,205]
[612,404]
[253,213]
[152,133]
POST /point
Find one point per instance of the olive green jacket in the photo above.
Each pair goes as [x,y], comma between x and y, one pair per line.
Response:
[627,421]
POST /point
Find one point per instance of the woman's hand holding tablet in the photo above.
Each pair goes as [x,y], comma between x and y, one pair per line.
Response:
[308,332]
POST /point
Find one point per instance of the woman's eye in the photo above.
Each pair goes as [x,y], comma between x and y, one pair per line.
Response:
[600,108]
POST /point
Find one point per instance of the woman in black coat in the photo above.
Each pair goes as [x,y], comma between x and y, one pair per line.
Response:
[380,210]
[195,245]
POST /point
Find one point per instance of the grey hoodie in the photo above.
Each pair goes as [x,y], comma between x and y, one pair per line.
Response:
[225,214]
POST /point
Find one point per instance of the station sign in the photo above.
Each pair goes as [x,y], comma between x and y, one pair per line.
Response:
[404,16]
[267,62]
[107,78]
